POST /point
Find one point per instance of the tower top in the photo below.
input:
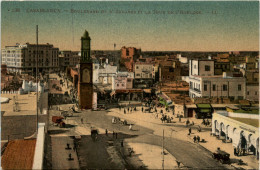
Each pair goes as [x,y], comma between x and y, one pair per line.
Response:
[85,35]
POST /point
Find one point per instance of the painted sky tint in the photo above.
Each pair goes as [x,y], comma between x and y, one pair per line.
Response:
[235,27]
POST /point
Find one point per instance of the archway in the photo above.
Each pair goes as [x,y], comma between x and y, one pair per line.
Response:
[216,127]
[243,142]
[222,129]
[250,146]
[227,132]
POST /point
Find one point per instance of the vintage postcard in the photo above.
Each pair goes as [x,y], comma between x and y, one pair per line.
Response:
[129,85]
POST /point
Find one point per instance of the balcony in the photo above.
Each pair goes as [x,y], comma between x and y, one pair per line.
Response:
[195,91]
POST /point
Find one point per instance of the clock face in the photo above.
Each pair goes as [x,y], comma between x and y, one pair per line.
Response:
[86,76]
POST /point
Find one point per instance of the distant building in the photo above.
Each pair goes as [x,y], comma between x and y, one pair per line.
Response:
[203,82]
[169,70]
[144,75]
[106,73]
[123,80]
[129,56]
[22,58]
[68,59]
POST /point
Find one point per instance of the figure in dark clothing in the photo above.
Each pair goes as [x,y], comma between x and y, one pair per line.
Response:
[113,134]
[198,139]
[124,111]
[106,131]
[128,109]
[122,144]
[194,139]
[189,130]
[142,109]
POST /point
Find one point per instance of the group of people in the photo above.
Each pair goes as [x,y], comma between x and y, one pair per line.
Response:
[205,122]
[129,109]
[196,138]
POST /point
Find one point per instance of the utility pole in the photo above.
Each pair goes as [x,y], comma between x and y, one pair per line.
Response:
[37,78]
[163,151]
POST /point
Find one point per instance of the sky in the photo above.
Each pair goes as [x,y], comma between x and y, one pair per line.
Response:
[149,25]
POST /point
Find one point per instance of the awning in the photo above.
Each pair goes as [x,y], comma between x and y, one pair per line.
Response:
[205,110]
[191,106]
[204,106]
[147,90]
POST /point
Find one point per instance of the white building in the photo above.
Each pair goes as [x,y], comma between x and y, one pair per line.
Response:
[106,73]
[203,82]
[235,127]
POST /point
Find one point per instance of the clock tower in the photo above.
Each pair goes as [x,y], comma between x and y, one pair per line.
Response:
[85,86]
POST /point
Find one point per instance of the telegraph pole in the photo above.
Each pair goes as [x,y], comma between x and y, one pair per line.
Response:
[36,78]
[163,151]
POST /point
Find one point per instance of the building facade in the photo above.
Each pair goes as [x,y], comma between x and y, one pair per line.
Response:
[129,56]
[203,82]
[22,58]
[144,75]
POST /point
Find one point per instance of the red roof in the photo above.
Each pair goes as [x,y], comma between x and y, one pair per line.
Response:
[19,154]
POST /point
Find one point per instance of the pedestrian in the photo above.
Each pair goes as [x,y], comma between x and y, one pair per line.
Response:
[235,151]
[198,138]
[122,144]
[113,134]
[190,130]
[106,131]
[194,139]
[199,129]
[128,109]
[142,109]
[178,163]
[124,111]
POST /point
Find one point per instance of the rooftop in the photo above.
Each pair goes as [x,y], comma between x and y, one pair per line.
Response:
[252,122]
[19,154]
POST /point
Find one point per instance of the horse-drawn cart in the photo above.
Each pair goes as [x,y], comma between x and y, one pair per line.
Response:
[222,156]
[58,120]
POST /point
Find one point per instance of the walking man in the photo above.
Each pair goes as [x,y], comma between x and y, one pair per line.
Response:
[106,131]
[189,130]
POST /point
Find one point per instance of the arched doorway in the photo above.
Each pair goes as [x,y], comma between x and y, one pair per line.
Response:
[243,142]
[227,132]
[222,129]
[216,127]
[250,146]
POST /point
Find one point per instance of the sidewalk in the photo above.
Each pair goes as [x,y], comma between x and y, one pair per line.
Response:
[150,156]
[60,154]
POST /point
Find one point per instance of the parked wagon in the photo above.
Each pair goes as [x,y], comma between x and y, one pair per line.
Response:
[58,120]
[222,156]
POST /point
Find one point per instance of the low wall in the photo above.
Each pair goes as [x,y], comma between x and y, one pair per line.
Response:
[39,148]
